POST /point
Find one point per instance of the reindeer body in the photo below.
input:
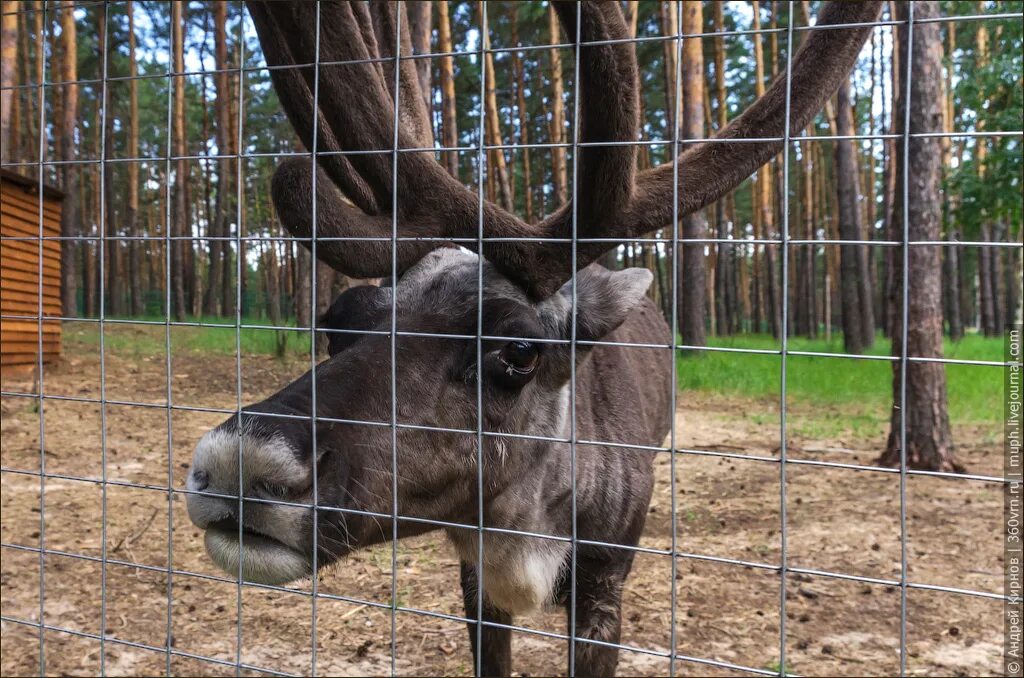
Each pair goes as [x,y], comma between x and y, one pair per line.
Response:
[613,491]
[431,387]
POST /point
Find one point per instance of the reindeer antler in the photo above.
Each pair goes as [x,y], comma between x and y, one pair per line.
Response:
[357,109]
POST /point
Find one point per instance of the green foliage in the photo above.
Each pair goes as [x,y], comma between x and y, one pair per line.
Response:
[988,97]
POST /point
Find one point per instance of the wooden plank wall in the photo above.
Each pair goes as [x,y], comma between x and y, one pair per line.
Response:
[19,273]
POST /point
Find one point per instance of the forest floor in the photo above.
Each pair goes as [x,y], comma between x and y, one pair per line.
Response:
[841,521]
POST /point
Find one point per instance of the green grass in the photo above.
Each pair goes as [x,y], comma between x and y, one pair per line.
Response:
[861,388]
[864,387]
[215,337]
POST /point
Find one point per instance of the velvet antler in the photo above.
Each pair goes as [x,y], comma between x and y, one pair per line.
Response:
[356,115]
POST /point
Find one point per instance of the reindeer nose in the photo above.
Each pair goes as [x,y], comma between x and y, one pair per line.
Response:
[200,480]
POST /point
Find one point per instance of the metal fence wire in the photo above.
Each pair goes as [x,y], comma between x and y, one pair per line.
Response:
[678,552]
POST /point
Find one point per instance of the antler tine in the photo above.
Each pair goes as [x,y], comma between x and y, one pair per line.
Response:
[292,190]
[413,110]
[358,108]
[710,170]
[297,101]
[609,112]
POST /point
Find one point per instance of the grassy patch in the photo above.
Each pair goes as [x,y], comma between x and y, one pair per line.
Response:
[216,336]
[863,387]
[843,394]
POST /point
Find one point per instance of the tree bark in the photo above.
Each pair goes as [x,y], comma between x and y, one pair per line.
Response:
[669,26]
[132,211]
[558,166]
[8,60]
[419,12]
[230,293]
[986,304]
[524,121]
[218,224]
[692,289]
[179,205]
[70,221]
[849,223]
[112,280]
[449,115]
[951,291]
[493,124]
[889,196]
[929,440]
[951,264]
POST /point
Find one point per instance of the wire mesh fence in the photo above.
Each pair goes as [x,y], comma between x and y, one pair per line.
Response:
[675,553]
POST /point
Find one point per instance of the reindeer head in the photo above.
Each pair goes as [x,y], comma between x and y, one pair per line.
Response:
[446,307]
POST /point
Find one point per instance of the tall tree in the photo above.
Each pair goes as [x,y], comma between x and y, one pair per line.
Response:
[8,60]
[419,12]
[113,282]
[225,179]
[929,440]
[132,211]
[669,26]
[70,223]
[179,203]
[693,290]
[557,132]
[951,263]
[764,185]
[493,124]
[724,299]
[449,114]
[523,114]
[849,224]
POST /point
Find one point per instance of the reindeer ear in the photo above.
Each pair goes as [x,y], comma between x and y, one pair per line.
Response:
[604,299]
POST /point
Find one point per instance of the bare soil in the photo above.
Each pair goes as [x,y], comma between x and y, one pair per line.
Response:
[838,521]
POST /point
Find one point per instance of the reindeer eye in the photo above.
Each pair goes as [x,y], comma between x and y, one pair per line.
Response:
[519,357]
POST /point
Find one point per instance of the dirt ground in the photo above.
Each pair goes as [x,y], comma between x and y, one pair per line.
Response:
[838,520]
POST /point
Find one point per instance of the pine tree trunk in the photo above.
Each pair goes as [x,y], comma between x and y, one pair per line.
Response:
[929,439]
[669,26]
[558,166]
[231,196]
[113,277]
[419,34]
[218,229]
[951,279]
[692,288]
[8,60]
[997,279]
[986,304]
[1013,282]
[132,210]
[179,205]
[449,116]
[890,176]
[303,293]
[524,124]
[849,223]
[951,291]
[70,220]
[493,126]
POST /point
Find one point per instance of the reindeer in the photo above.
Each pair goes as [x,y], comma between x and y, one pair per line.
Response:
[534,317]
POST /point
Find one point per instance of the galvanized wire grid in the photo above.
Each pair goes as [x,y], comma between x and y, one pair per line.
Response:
[675,552]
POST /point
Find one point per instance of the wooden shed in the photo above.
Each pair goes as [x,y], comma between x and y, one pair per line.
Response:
[19,271]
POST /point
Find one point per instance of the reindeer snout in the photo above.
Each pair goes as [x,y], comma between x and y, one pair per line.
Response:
[198,480]
[204,510]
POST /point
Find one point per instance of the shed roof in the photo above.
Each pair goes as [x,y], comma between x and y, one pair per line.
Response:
[30,184]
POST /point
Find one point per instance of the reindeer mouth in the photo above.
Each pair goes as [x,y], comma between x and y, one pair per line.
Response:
[264,560]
